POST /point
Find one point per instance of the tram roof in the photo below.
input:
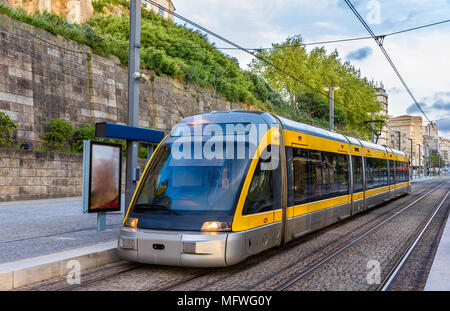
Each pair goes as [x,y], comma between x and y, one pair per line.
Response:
[311,130]
[245,116]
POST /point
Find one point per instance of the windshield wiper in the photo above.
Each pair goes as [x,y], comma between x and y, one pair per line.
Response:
[155,207]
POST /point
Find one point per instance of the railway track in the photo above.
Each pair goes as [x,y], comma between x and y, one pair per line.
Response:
[385,284]
[101,278]
[179,279]
[268,255]
[399,262]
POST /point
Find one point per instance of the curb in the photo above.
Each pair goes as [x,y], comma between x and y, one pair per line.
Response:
[28,271]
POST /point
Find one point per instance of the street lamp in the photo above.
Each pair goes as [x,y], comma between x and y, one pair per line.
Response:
[412,162]
[331,89]
[419,160]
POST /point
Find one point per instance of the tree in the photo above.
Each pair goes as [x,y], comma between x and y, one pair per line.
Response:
[317,69]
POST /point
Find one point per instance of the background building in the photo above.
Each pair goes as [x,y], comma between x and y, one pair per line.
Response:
[409,127]
[445,150]
[79,11]
[431,136]
[164,3]
[382,98]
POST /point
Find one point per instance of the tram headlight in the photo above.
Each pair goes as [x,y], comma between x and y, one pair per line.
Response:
[131,222]
[214,226]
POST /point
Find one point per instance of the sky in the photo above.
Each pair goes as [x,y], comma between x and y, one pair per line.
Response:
[421,56]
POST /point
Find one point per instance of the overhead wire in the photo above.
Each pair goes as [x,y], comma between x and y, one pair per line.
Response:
[309,43]
[254,54]
[380,44]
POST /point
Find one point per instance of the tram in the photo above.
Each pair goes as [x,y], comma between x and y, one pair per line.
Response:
[226,185]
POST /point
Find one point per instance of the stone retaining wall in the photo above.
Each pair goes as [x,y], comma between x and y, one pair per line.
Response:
[32,175]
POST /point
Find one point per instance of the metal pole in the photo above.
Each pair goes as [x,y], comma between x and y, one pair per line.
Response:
[331,110]
[101,221]
[331,89]
[429,160]
[419,161]
[133,96]
[412,162]
[439,159]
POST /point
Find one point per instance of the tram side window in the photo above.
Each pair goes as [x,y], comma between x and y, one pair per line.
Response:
[376,173]
[357,174]
[317,180]
[392,176]
[319,175]
[260,196]
[400,171]
[335,168]
[405,171]
[301,175]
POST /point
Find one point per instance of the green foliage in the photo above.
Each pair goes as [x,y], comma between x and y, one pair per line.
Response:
[436,160]
[182,53]
[142,153]
[7,128]
[100,5]
[82,133]
[355,99]
[317,107]
[57,133]
[167,48]
[53,23]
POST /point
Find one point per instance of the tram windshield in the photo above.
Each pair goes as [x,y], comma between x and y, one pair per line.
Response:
[189,183]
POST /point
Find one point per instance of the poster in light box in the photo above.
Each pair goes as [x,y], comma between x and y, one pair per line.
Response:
[105,177]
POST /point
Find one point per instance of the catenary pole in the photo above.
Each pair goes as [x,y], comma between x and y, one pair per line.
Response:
[331,90]
[133,97]
[419,161]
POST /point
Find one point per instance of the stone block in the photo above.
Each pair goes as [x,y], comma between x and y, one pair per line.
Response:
[36,274]
[6,281]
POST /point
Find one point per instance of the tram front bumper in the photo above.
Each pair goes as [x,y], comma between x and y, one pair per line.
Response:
[189,249]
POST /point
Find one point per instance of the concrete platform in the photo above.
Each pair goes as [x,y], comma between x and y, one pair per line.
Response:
[439,277]
[41,227]
[38,238]
[32,270]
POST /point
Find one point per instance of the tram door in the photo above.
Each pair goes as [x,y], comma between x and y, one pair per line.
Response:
[358,184]
[299,189]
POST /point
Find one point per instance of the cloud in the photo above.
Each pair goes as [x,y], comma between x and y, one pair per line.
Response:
[394,90]
[360,54]
[441,105]
[413,109]
[440,102]
[444,127]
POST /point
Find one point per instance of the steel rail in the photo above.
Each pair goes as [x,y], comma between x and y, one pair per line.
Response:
[352,242]
[100,278]
[384,285]
[272,252]
[182,282]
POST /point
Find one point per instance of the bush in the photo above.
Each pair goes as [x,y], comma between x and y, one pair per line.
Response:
[142,153]
[7,128]
[82,133]
[57,134]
